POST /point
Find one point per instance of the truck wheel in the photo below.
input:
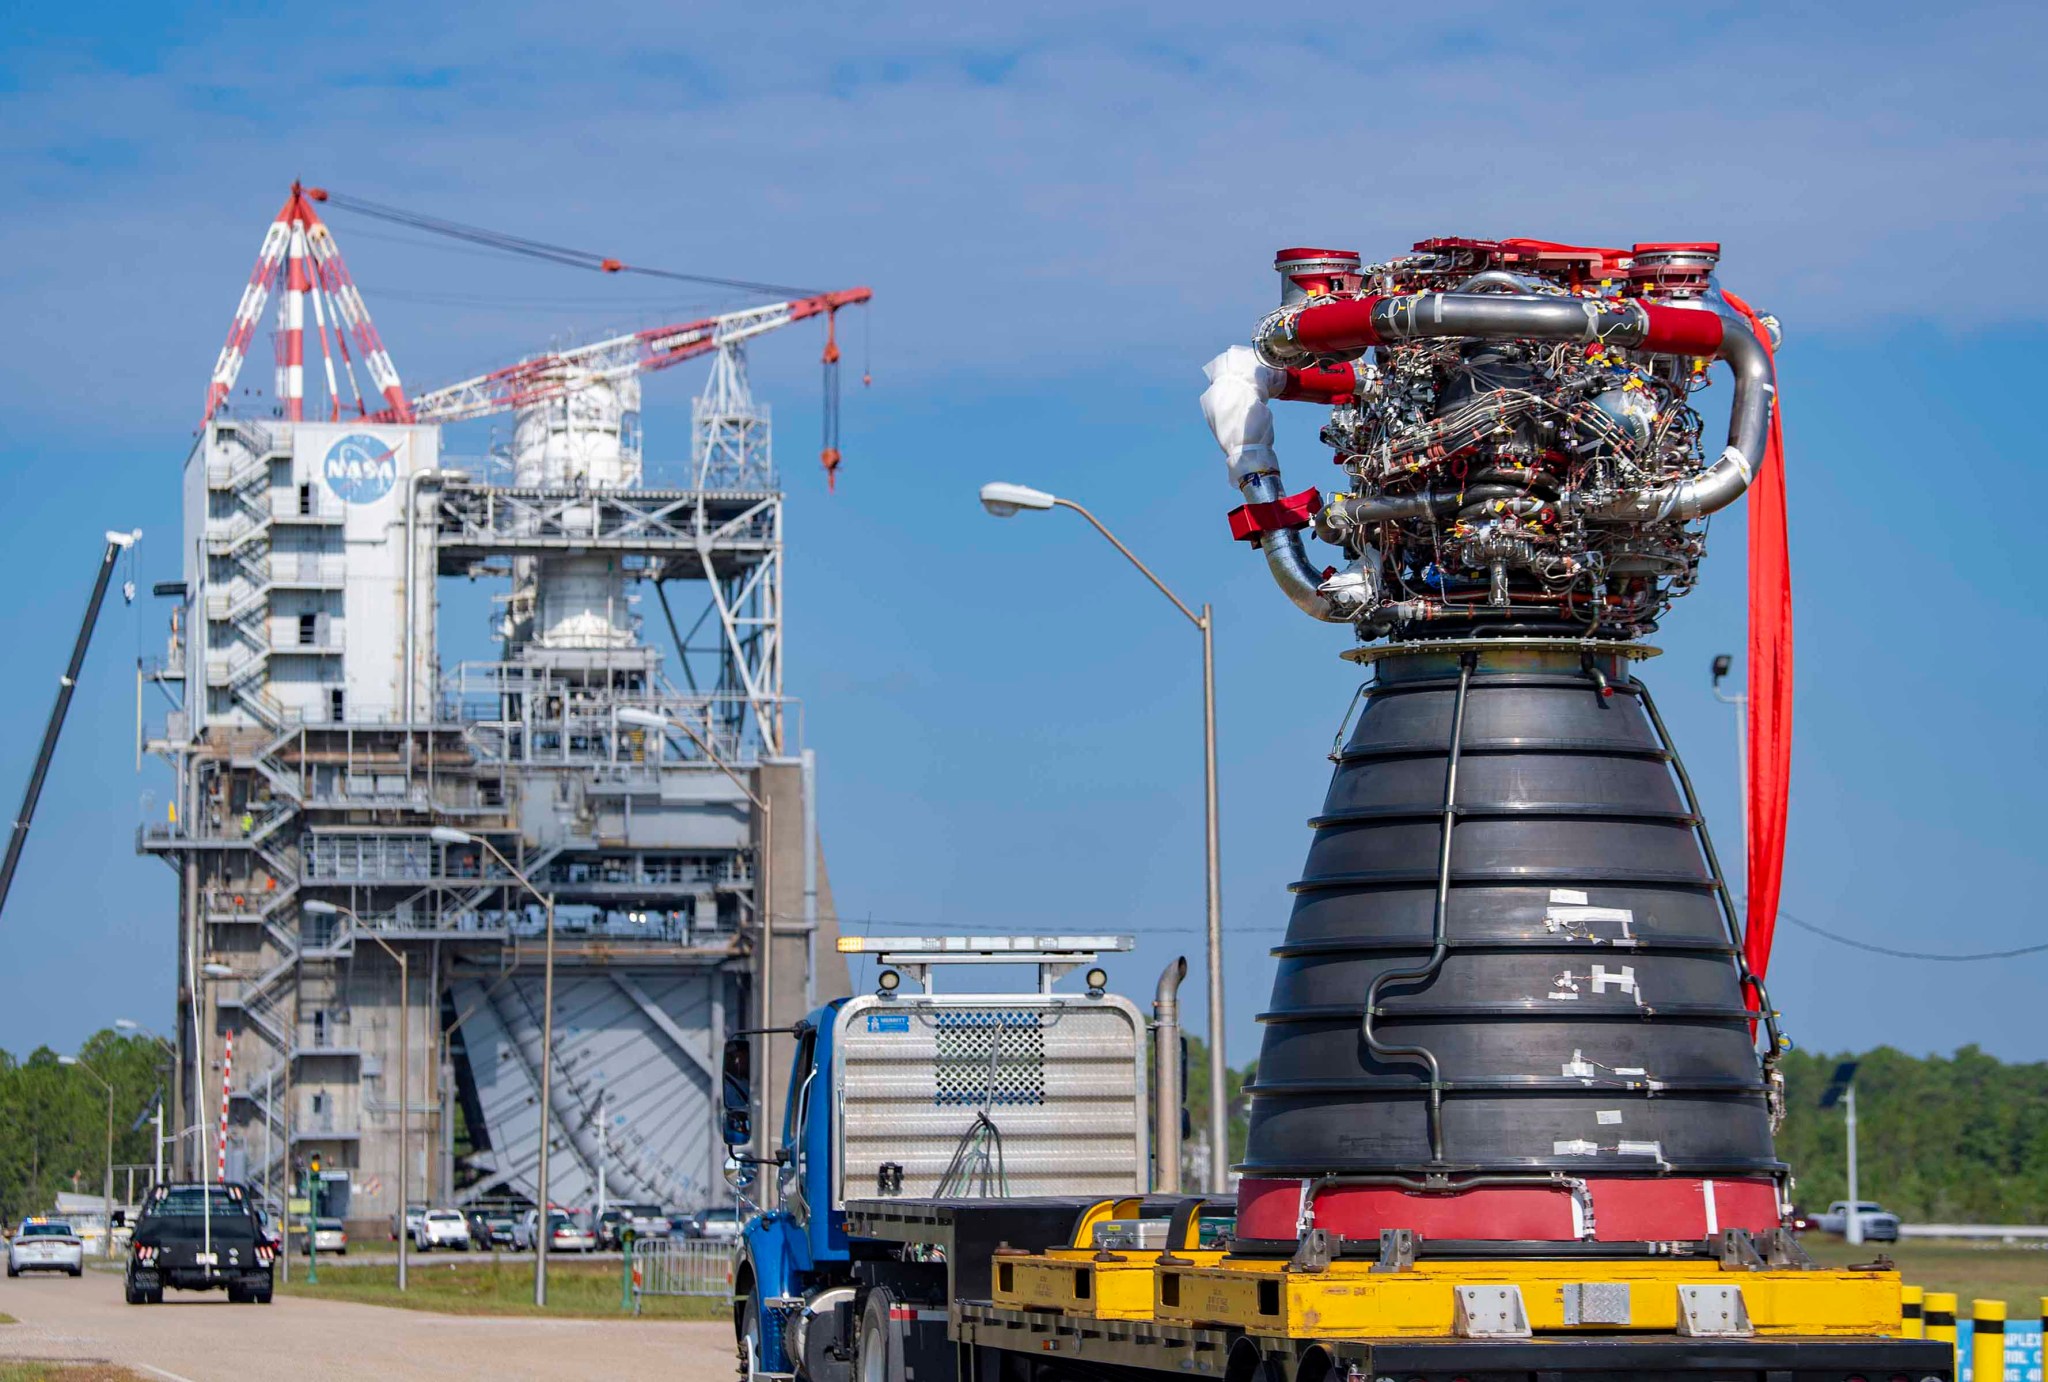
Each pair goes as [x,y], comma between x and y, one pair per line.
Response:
[880,1358]
[750,1339]
[134,1296]
[77,1271]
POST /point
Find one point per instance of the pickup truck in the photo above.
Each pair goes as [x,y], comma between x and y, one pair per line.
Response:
[1879,1224]
[199,1237]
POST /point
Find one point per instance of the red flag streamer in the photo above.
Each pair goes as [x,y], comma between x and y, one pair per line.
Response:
[1770,682]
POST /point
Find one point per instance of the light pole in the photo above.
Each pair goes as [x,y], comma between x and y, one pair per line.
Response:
[1006,500]
[1740,700]
[317,907]
[134,1028]
[764,874]
[107,1201]
[449,835]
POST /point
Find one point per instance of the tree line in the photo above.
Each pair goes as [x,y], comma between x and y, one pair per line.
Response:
[1942,1139]
[53,1118]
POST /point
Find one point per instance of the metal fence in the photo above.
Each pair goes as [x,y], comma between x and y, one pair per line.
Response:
[681,1267]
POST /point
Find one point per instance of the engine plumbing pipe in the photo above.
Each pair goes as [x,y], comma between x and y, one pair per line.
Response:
[1300,336]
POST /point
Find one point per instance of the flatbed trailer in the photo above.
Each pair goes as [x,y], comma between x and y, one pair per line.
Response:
[1015,1290]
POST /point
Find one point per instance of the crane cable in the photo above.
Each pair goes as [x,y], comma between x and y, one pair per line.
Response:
[536,249]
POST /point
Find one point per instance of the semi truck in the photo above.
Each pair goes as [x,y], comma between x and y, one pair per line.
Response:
[985,1187]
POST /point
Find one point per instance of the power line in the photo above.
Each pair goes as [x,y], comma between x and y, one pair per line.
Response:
[1886,950]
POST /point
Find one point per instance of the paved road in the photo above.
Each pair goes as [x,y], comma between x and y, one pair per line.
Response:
[195,1337]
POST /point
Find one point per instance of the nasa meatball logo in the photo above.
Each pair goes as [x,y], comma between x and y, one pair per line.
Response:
[360,468]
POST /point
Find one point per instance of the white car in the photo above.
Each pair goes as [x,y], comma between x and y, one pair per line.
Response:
[568,1233]
[329,1236]
[45,1245]
[441,1228]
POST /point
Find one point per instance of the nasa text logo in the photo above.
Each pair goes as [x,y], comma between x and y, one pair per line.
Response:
[360,468]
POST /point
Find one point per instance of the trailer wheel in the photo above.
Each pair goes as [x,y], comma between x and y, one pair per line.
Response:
[880,1358]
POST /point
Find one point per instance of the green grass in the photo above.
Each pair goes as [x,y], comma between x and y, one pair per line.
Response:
[494,1287]
[6,1318]
[2018,1276]
[66,1372]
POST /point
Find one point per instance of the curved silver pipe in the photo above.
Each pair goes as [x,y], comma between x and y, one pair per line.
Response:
[1502,278]
[1724,480]
[1167,1098]
[1286,558]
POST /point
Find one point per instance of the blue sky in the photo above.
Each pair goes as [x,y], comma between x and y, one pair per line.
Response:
[1064,211]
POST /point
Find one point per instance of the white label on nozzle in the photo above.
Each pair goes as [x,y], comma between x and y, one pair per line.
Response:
[1571,897]
[1607,1116]
[1578,1067]
[1576,1147]
[1649,1149]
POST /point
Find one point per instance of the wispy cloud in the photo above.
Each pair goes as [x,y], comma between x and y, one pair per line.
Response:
[1038,190]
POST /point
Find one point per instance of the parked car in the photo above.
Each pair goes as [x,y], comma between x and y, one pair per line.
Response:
[649,1220]
[721,1225]
[1804,1221]
[329,1235]
[45,1245]
[491,1228]
[441,1228]
[1879,1224]
[611,1228]
[568,1233]
[410,1226]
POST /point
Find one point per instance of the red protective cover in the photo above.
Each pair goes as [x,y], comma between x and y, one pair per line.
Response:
[1681,330]
[1294,511]
[1626,1209]
[1770,684]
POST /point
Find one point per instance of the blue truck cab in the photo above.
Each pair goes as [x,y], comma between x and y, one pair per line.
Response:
[922,1095]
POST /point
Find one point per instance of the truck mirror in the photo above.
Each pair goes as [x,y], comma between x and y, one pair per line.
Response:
[738,1092]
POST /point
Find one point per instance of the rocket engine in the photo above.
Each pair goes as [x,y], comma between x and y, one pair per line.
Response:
[1513,1003]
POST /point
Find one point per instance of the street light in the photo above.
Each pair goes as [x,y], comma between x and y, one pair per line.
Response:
[449,835]
[1740,700]
[1006,500]
[642,718]
[214,969]
[107,1200]
[320,908]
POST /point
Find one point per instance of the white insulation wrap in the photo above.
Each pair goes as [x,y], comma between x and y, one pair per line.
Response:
[1235,406]
[1060,1078]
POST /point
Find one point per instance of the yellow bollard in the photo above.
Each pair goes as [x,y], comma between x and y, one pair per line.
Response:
[1987,1342]
[1910,1323]
[1940,1319]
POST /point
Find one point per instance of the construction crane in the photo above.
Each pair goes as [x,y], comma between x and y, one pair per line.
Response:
[543,377]
[117,543]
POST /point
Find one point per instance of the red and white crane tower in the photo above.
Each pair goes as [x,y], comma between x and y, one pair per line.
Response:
[300,259]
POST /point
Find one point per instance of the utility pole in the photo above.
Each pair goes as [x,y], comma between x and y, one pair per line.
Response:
[1842,1090]
[1853,1227]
